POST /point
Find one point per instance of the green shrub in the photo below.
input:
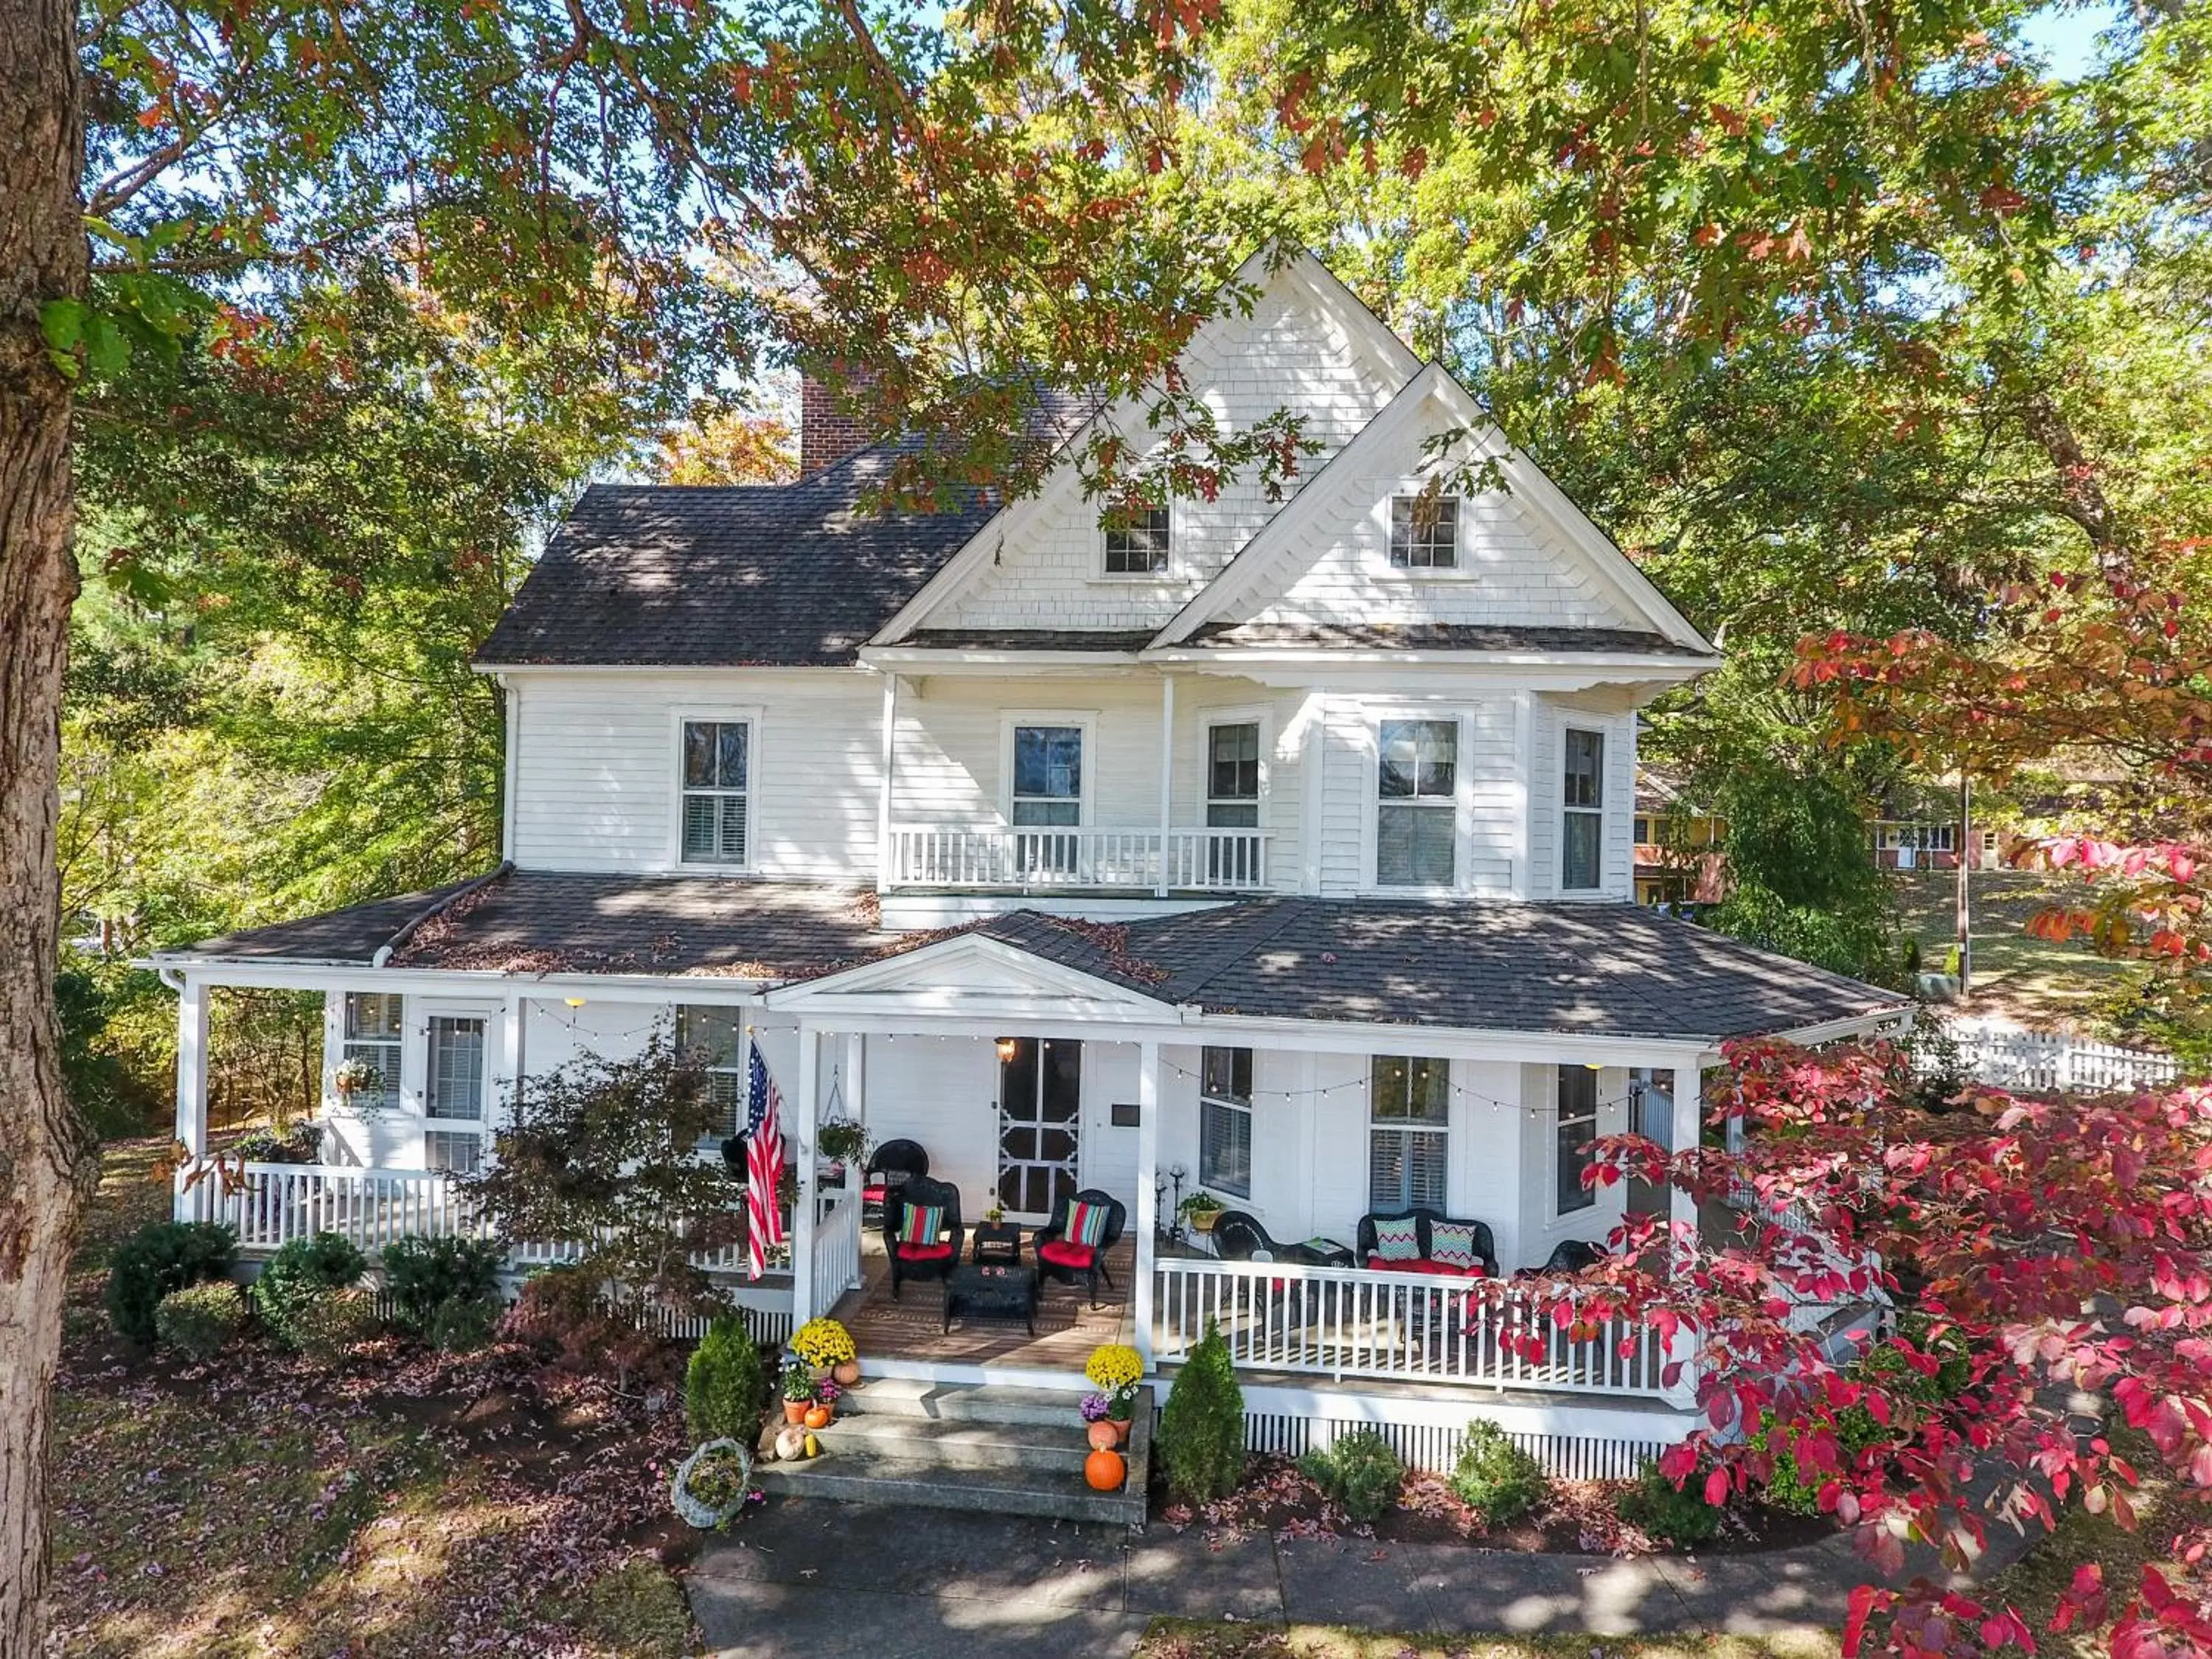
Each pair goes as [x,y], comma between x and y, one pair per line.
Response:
[328,1321]
[1495,1477]
[160,1257]
[1798,1489]
[301,1275]
[1202,1428]
[200,1319]
[1681,1518]
[445,1291]
[724,1386]
[1359,1473]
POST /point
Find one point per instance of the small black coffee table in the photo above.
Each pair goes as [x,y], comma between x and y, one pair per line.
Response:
[996,1242]
[991,1292]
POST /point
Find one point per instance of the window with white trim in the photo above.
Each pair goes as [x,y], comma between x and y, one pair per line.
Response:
[453,1152]
[1225,1121]
[1578,1137]
[716,807]
[1409,1132]
[711,1038]
[1137,543]
[1416,830]
[1424,532]
[1582,841]
[372,1036]
[1047,775]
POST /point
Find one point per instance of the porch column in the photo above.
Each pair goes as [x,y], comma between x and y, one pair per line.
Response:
[890,750]
[191,1101]
[1167,777]
[856,1090]
[1689,1114]
[1148,1157]
[803,1107]
[510,1061]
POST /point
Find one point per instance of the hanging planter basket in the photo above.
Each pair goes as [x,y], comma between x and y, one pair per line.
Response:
[713,1511]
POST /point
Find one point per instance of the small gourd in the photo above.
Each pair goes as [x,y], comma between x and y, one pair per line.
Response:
[814,1447]
[790,1443]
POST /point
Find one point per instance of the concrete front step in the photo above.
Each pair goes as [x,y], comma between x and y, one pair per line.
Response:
[1015,1451]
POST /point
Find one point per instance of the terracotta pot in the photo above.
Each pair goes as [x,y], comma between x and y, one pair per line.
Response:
[847,1373]
[794,1411]
[818,1415]
[1101,1436]
[1120,1427]
[1104,1470]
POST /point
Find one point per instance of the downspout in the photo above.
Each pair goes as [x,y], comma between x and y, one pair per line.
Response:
[431,912]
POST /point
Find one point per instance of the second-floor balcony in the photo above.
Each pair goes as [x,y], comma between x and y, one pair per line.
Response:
[997,858]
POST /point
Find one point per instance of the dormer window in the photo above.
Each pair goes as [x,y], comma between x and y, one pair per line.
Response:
[716,785]
[1424,532]
[1137,543]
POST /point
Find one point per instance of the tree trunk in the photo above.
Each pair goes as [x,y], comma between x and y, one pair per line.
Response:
[47,1161]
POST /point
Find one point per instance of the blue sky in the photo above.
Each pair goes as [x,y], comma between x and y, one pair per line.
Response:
[2065,36]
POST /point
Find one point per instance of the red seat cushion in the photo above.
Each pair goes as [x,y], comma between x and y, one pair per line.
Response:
[925,1252]
[1061,1254]
[873,1195]
[1441,1269]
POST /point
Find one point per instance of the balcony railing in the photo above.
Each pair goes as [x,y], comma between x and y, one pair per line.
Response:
[1122,860]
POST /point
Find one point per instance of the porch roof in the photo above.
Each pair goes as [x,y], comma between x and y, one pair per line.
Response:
[1583,969]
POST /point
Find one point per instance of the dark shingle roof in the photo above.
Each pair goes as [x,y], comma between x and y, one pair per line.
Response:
[1594,969]
[353,935]
[1438,636]
[773,576]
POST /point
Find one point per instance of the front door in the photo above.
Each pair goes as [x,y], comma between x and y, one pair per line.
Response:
[1040,1107]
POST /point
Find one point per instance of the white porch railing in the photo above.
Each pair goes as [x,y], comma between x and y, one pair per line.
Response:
[836,1248]
[1204,860]
[2007,1057]
[1350,1321]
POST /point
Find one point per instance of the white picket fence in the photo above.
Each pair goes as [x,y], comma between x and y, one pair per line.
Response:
[2010,1057]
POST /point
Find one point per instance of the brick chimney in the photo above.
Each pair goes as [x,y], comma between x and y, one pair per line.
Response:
[827,434]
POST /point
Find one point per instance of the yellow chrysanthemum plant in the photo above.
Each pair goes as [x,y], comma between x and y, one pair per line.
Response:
[1114,1369]
[822,1343]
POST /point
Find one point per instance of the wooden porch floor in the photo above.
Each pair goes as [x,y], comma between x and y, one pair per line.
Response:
[1067,1326]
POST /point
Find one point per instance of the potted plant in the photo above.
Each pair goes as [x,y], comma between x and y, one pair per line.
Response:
[1099,1428]
[712,1485]
[355,1076]
[798,1384]
[841,1141]
[827,1345]
[996,1214]
[1116,1369]
[1201,1210]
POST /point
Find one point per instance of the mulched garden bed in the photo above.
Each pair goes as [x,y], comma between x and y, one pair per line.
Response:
[1579,1517]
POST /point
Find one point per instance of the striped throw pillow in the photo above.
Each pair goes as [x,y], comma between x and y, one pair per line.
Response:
[1086,1223]
[1399,1240]
[920,1226]
[1452,1243]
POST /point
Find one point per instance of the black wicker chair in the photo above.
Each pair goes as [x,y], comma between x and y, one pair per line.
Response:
[889,1165]
[923,1260]
[1058,1259]
[1240,1237]
[1569,1255]
[1425,1220]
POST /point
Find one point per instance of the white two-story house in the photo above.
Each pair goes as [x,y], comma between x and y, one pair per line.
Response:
[1280,850]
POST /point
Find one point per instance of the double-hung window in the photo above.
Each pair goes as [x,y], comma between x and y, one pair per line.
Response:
[372,1036]
[1424,532]
[1232,801]
[710,1037]
[1415,813]
[454,1093]
[717,774]
[1578,1121]
[1225,1121]
[1582,795]
[1047,775]
[1409,1134]
[1137,543]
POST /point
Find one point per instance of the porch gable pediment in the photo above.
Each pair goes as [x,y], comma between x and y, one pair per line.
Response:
[971,977]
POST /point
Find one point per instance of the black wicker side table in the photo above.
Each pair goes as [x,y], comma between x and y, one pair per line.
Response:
[997,1242]
[992,1292]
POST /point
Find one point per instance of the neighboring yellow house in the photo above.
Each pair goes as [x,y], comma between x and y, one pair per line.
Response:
[1678,848]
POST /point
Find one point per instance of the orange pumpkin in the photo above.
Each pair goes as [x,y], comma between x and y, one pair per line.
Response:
[1104,1470]
[1103,1438]
[817,1416]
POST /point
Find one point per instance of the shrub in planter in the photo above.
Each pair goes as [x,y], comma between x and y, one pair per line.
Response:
[1360,1475]
[1680,1518]
[1496,1478]
[324,1325]
[1202,1427]
[159,1258]
[300,1274]
[445,1287]
[200,1319]
[724,1386]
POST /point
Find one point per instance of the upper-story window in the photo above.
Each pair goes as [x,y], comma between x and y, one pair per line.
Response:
[1582,795]
[1424,532]
[1232,775]
[716,774]
[1137,543]
[1417,781]
[1047,775]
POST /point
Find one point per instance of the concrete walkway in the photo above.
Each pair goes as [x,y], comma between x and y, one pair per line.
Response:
[807,1576]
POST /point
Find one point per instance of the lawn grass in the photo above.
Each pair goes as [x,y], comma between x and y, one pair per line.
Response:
[2037,982]
[252,1511]
[1185,1638]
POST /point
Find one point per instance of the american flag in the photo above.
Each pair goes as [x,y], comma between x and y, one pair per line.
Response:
[763,1162]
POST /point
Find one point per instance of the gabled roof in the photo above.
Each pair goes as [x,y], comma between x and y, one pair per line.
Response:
[773,576]
[1267,557]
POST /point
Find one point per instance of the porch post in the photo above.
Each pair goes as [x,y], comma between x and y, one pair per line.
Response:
[1167,778]
[883,790]
[1689,1115]
[191,1101]
[1148,1157]
[804,1106]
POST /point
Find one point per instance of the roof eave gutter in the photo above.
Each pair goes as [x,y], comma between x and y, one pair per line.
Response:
[953,659]
[1836,1030]
[1686,667]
